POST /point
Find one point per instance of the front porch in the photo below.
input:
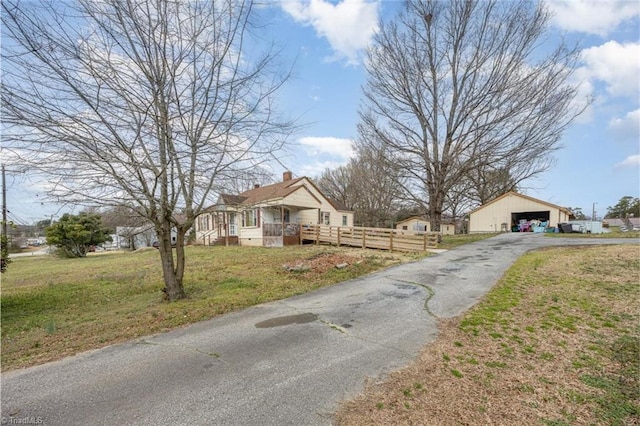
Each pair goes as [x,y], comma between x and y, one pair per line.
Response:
[280,235]
[268,226]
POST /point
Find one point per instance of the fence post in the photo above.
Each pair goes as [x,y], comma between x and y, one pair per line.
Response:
[391,240]
[338,236]
[317,234]
[364,238]
[424,246]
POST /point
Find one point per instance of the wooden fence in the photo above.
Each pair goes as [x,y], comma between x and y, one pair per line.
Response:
[379,238]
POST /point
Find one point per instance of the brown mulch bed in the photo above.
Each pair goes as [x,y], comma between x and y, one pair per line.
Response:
[323,262]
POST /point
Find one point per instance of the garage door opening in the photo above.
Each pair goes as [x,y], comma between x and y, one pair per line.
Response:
[517,217]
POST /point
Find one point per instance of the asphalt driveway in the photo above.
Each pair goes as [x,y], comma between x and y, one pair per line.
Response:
[283,363]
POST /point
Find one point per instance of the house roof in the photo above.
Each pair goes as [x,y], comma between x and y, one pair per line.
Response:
[231,200]
[526,197]
[276,191]
[443,220]
[409,219]
[338,205]
[270,192]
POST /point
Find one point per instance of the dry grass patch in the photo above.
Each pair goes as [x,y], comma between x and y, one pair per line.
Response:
[54,307]
[556,342]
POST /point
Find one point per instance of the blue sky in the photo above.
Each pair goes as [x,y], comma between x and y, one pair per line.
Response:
[600,159]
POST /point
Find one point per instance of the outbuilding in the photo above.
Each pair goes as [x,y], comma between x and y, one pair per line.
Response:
[508,211]
[421,224]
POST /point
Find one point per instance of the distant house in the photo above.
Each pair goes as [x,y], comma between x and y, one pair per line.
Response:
[421,224]
[269,215]
[131,237]
[504,213]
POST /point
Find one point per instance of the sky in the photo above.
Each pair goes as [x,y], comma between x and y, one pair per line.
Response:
[325,41]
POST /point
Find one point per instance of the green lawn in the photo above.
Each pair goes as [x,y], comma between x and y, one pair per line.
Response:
[55,307]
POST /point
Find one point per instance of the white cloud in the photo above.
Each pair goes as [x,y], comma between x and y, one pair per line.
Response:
[348,25]
[315,169]
[616,65]
[628,127]
[630,161]
[336,147]
[598,17]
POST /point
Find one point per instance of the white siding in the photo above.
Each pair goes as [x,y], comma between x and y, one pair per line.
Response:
[414,225]
[447,229]
[311,217]
[335,217]
[423,225]
[491,217]
[250,236]
[302,198]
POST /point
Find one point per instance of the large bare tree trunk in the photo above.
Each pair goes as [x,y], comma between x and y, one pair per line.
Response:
[172,266]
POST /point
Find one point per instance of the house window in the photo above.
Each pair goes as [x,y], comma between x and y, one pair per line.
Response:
[278,216]
[203,224]
[404,227]
[232,224]
[344,220]
[325,218]
[250,218]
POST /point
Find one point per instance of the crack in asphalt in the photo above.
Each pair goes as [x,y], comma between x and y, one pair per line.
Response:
[334,326]
[430,293]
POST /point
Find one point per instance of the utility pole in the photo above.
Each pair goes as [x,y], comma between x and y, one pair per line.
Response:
[4,204]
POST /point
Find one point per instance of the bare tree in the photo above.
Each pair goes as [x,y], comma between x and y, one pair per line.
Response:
[378,184]
[153,105]
[487,183]
[120,216]
[368,185]
[456,86]
[248,180]
[338,184]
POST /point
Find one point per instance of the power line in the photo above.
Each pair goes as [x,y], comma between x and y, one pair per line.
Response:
[16,219]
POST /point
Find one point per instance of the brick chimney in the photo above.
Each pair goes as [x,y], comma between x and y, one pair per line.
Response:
[287,176]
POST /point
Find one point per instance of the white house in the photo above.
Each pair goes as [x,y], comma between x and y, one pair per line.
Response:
[132,237]
[269,215]
[420,224]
